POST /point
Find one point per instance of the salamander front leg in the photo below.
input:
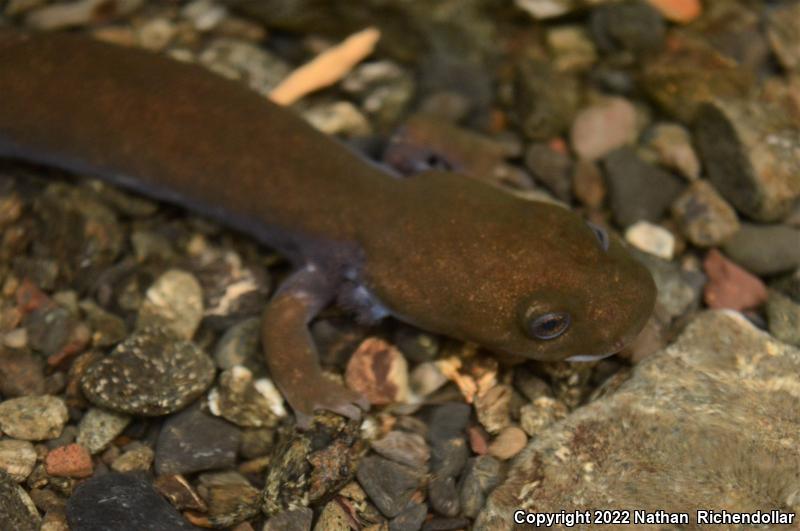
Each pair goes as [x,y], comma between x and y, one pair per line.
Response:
[291,353]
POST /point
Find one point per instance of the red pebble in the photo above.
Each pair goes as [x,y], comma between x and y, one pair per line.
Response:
[729,286]
[31,298]
[478,440]
[72,461]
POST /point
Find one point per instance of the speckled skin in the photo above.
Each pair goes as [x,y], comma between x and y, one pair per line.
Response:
[449,254]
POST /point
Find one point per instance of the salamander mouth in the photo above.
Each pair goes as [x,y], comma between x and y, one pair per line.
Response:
[583,358]
[616,347]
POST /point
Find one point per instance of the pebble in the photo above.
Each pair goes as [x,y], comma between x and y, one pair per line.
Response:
[294,520]
[750,151]
[410,518]
[336,340]
[47,500]
[478,439]
[98,428]
[494,408]
[587,184]
[311,465]
[17,458]
[691,406]
[530,384]
[21,373]
[405,448]
[546,100]
[448,456]
[340,118]
[552,168]
[81,234]
[416,346]
[388,484]
[17,510]
[508,443]
[80,13]
[239,59]
[378,371]
[385,89]
[204,15]
[239,400]
[571,47]
[16,339]
[730,286]
[765,249]
[334,518]
[107,329]
[137,456]
[704,217]
[33,418]
[192,441]
[544,9]
[672,145]
[482,474]
[230,497]
[443,496]
[239,346]
[783,316]
[156,34]
[232,290]
[426,378]
[789,284]
[121,501]
[630,26]
[678,290]
[55,521]
[446,524]
[448,420]
[257,443]
[651,238]
[150,373]
[535,417]
[49,329]
[446,105]
[149,245]
[688,73]
[603,127]
[68,435]
[638,190]
[174,302]
[11,206]
[180,493]
[680,11]
[783,35]
[71,461]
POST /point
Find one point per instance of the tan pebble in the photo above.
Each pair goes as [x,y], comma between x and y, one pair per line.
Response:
[17,458]
[682,11]
[378,371]
[509,443]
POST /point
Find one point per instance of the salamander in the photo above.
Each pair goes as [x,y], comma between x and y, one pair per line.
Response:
[446,253]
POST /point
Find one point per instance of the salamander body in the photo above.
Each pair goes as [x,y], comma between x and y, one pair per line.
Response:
[447,253]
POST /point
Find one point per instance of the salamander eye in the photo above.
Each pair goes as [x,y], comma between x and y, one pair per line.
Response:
[548,326]
[601,234]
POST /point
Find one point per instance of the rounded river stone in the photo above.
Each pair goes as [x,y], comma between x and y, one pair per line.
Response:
[150,373]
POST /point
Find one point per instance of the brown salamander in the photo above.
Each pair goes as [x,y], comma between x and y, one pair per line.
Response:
[443,252]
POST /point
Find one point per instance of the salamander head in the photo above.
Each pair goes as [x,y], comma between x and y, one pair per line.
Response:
[523,277]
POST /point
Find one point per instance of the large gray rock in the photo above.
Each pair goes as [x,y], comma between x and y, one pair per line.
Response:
[711,422]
